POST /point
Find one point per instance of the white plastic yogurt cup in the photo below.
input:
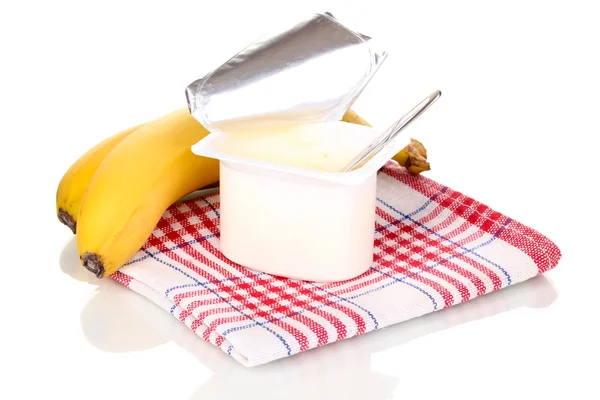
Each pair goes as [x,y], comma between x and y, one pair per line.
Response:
[291,220]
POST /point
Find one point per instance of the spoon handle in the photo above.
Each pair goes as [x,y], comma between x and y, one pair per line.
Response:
[393,131]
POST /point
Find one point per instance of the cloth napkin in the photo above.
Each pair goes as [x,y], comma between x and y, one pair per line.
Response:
[434,247]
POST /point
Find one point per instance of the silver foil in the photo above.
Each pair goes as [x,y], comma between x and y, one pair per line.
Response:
[311,72]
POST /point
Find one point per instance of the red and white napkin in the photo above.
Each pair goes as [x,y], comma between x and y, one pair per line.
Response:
[434,248]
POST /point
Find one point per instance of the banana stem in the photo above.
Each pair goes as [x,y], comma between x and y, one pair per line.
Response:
[68,220]
[93,263]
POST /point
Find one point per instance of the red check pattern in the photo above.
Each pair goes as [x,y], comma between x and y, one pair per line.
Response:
[434,248]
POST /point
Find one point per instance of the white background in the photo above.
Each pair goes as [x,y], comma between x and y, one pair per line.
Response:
[516,128]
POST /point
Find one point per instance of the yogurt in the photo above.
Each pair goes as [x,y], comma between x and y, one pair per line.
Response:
[323,147]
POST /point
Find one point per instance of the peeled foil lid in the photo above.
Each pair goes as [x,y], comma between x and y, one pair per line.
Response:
[311,72]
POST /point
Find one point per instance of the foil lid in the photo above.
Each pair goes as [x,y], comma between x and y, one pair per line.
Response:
[311,72]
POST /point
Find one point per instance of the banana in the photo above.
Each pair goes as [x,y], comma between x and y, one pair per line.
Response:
[413,157]
[116,193]
[352,117]
[74,182]
[130,191]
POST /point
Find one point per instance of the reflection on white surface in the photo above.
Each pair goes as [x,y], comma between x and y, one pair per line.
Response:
[119,320]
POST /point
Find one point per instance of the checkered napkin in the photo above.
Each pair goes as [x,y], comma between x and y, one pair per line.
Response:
[434,248]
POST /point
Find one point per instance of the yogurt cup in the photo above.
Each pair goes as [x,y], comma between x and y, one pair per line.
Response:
[289,212]
[299,221]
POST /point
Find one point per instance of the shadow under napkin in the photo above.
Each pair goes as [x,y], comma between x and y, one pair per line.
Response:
[119,320]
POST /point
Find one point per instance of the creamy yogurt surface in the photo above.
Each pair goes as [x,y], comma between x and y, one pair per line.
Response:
[325,147]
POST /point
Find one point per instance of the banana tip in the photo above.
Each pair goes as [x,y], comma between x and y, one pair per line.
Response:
[68,220]
[93,263]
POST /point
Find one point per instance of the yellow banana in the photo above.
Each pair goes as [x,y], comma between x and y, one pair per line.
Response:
[352,117]
[135,184]
[120,189]
[413,157]
[75,181]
